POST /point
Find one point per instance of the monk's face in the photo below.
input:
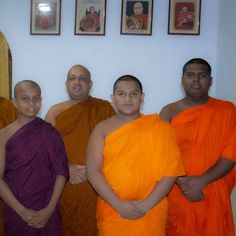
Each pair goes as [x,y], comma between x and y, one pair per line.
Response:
[138,8]
[27,101]
[128,98]
[78,83]
[196,81]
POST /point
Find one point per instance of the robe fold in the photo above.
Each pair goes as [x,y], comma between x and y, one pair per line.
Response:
[78,201]
[205,134]
[35,154]
[135,157]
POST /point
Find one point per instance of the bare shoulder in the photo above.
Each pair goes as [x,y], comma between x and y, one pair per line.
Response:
[55,110]
[169,111]
[107,126]
[59,107]
[7,132]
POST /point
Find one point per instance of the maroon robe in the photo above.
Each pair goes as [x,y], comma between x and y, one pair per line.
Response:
[35,154]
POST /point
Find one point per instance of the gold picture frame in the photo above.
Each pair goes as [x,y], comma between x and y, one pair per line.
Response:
[184,17]
[136,17]
[45,17]
[90,17]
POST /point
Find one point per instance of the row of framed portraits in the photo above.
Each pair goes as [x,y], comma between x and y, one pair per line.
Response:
[136,17]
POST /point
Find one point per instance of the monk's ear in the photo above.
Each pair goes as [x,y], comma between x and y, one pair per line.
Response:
[211,81]
[113,101]
[182,78]
[142,96]
[14,102]
[66,83]
[90,84]
[112,97]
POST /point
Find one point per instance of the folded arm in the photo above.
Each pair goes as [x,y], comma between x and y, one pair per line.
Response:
[193,185]
[160,190]
[42,216]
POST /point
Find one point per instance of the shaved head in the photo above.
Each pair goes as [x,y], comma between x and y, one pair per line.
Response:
[23,83]
[79,67]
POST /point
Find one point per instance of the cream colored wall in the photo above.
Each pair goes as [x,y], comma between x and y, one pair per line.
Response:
[156,60]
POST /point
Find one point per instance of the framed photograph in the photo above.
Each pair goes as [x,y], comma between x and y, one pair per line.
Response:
[90,17]
[45,18]
[184,17]
[136,17]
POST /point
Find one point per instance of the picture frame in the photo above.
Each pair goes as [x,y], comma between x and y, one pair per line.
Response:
[136,17]
[184,17]
[45,17]
[90,17]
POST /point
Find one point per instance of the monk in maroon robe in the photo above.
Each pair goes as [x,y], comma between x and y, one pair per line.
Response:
[33,169]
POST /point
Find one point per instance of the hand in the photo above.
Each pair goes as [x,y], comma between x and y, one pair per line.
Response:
[195,197]
[191,184]
[27,215]
[191,187]
[142,205]
[40,218]
[77,174]
[129,210]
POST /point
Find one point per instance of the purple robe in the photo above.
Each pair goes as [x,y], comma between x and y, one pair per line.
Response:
[35,154]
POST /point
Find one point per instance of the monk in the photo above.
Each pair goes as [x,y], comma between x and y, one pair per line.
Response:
[199,204]
[33,168]
[138,20]
[132,163]
[75,120]
[8,112]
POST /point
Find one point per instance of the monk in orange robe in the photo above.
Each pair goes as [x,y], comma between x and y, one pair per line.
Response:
[8,114]
[132,163]
[199,205]
[75,120]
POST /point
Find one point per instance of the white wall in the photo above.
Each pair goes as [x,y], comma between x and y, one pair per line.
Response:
[226,60]
[157,60]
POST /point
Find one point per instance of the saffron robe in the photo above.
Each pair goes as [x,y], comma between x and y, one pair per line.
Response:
[204,134]
[8,112]
[35,154]
[136,156]
[78,201]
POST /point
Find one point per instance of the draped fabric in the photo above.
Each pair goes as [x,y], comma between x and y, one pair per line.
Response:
[8,114]
[35,154]
[136,157]
[79,201]
[5,68]
[204,134]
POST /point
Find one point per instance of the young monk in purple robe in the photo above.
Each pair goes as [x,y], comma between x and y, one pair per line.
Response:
[33,168]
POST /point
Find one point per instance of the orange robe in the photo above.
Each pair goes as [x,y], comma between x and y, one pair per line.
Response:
[8,114]
[205,133]
[136,157]
[78,202]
